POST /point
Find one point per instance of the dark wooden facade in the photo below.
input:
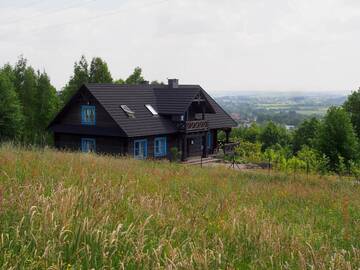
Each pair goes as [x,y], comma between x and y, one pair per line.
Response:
[192,132]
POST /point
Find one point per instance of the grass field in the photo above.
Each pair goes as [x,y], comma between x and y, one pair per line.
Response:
[76,211]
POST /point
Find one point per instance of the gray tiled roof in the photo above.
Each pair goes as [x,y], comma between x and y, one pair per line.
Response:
[166,101]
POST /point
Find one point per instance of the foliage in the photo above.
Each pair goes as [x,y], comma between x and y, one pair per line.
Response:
[80,76]
[34,96]
[352,106]
[10,110]
[273,134]
[309,157]
[136,77]
[337,137]
[282,117]
[175,154]
[248,152]
[81,211]
[99,71]
[250,134]
[305,134]
[47,102]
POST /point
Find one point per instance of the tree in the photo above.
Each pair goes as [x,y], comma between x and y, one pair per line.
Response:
[309,157]
[99,71]
[136,77]
[37,97]
[305,134]
[26,87]
[10,110]
[47,102]
[80,76]
[252,133]
[352,106]
[273,134]
[337,137]
[248,151]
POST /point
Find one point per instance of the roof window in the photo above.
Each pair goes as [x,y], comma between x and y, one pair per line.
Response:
[151,109]
[128,111]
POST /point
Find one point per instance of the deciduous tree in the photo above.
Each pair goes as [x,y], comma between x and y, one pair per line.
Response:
[352,106]
[10,110]
[337,137]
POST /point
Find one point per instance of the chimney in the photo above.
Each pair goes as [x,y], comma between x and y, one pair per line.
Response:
[173,83]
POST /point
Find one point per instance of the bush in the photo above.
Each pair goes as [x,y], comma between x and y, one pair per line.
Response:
[175,154]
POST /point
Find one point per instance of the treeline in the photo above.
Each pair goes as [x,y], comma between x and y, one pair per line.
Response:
[283,117]
[330,144]
[28,100]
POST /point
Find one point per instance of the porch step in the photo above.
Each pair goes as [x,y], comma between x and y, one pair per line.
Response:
[197,161]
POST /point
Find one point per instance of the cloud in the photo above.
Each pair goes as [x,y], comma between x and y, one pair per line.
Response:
[224,45]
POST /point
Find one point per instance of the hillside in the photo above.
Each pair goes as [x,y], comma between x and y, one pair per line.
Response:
[66,210]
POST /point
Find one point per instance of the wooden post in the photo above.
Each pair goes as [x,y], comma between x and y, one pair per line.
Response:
[203,110]
[215,141]
[227,133]
[204,145]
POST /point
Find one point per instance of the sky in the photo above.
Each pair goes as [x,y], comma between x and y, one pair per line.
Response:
[225,46]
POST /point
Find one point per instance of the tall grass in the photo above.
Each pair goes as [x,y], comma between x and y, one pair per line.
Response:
[70,210]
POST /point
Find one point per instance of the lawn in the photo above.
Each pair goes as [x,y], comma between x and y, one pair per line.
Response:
[79,211]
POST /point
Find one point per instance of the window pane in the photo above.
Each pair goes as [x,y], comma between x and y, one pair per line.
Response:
[160,147]
[88,115]
[151,109]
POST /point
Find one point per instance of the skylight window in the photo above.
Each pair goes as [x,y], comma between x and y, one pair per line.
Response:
[128,111]
[151,109]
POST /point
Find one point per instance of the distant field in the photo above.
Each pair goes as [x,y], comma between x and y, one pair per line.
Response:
[80,211]
[307,110]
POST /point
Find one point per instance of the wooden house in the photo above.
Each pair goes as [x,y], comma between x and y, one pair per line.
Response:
[144,121]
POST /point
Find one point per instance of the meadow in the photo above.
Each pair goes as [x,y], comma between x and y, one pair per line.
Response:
[63,210]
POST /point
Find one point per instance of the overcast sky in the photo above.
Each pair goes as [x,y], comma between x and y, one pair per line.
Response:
[227,45]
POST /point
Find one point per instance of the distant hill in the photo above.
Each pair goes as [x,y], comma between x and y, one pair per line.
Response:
[290,109]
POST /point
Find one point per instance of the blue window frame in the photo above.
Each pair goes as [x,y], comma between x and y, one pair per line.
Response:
[140,149]
[209,140]
[88,115]
[160,147]
[88,145]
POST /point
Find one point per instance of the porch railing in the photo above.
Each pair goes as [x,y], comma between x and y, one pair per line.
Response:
[196,125]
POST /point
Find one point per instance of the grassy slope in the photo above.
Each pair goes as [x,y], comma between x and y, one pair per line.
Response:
[61,210]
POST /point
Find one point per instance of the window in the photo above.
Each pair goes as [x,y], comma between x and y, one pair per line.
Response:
[140,149]
[209,140]
[88,115]
[128,111]
[88,145]
[160,147]
[151,109]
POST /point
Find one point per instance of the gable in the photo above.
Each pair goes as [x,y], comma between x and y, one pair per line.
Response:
[220,119]
[69,118]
